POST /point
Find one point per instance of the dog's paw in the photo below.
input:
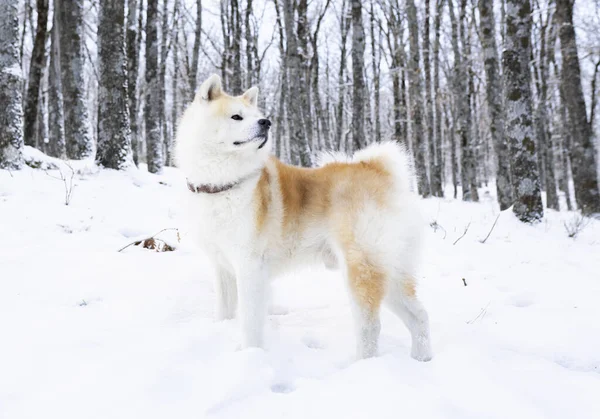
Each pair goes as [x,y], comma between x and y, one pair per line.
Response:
[276,310]
[421,353]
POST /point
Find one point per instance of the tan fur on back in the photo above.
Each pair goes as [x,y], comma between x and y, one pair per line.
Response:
[337,189]
[330,196]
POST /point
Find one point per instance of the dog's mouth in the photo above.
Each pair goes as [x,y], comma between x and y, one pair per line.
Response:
[263,138]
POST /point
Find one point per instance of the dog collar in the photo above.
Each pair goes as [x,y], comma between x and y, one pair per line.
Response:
[210,188]
[213,189]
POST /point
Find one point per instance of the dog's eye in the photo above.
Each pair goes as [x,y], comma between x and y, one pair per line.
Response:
[236,117]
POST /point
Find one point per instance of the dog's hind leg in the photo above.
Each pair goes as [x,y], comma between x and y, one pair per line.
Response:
[367,288]
[226,290]
[401,299]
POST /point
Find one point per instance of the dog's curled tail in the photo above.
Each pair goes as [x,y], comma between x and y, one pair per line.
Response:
[395,159]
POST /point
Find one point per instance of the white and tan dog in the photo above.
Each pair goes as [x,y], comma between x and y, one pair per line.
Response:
[257,217]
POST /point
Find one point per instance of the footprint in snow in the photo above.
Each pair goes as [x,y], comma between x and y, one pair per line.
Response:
[521,300]
[312,343]
[276,310]
[282,388]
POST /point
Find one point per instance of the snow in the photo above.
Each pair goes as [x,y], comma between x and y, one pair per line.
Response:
[90,332]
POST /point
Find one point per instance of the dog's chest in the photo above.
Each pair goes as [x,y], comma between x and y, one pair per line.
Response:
[222,221]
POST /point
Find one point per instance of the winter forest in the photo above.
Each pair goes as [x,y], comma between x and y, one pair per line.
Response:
[107,306]
[480,91]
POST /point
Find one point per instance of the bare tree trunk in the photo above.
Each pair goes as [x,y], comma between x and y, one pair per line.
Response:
[461,94]
[453,156]
[321,115]
[196,52]
[467,145]
[429,111]
[72,56]
[416,100]
[562,131]
[162,82]
[42,120]
[132,75]
[436,166]
[358,81]
[36,69]
[376,63]
[564,163]
[226,57]
[429,124]
[281,138]
[519,110]
[303,36]
[11,117]
[114,144]
[494,103]
[582,152]
[141,94]
[174,90]
[545,134]
[344,29]
[152,106]
[394,41]
[250,46]
[594,93]
[297,105]
[27,12]
[56,122]
[235,36]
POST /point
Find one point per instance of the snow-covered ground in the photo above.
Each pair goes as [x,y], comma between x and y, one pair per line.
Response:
[88,332]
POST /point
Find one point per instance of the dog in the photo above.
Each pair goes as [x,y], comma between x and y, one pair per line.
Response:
[256,217]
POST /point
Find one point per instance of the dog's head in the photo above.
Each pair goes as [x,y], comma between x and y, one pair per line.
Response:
[235,121]
[227,133]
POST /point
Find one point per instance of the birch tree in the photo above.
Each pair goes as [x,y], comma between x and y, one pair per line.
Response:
[519,110]
[467,144]
[581,150]
[36,69]
[56,117]
[416,100]
[376,64]
[494,103]
[132,74]
[358,82]
[154,146]
[72,56]
[193,73]
[339,112]
[298,106]
[11,117]
[437,160]
[114,143]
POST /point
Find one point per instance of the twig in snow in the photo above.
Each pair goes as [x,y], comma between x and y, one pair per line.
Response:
[464,233]
[137,242]
[576,225]
[481,314]
[492,229]
[434,224]
[67,183]
[464,281]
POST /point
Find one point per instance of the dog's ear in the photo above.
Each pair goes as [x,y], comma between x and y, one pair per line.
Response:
[210,89]
[251,95]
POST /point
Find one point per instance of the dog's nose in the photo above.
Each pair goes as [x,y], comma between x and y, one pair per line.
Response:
[265,123]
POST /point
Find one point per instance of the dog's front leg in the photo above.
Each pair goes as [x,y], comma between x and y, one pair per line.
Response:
[226,290]
[252,294]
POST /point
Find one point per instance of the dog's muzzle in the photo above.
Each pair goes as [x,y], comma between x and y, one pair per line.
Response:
[264,125]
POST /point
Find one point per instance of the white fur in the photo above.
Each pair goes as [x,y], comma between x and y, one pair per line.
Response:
[224,224]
